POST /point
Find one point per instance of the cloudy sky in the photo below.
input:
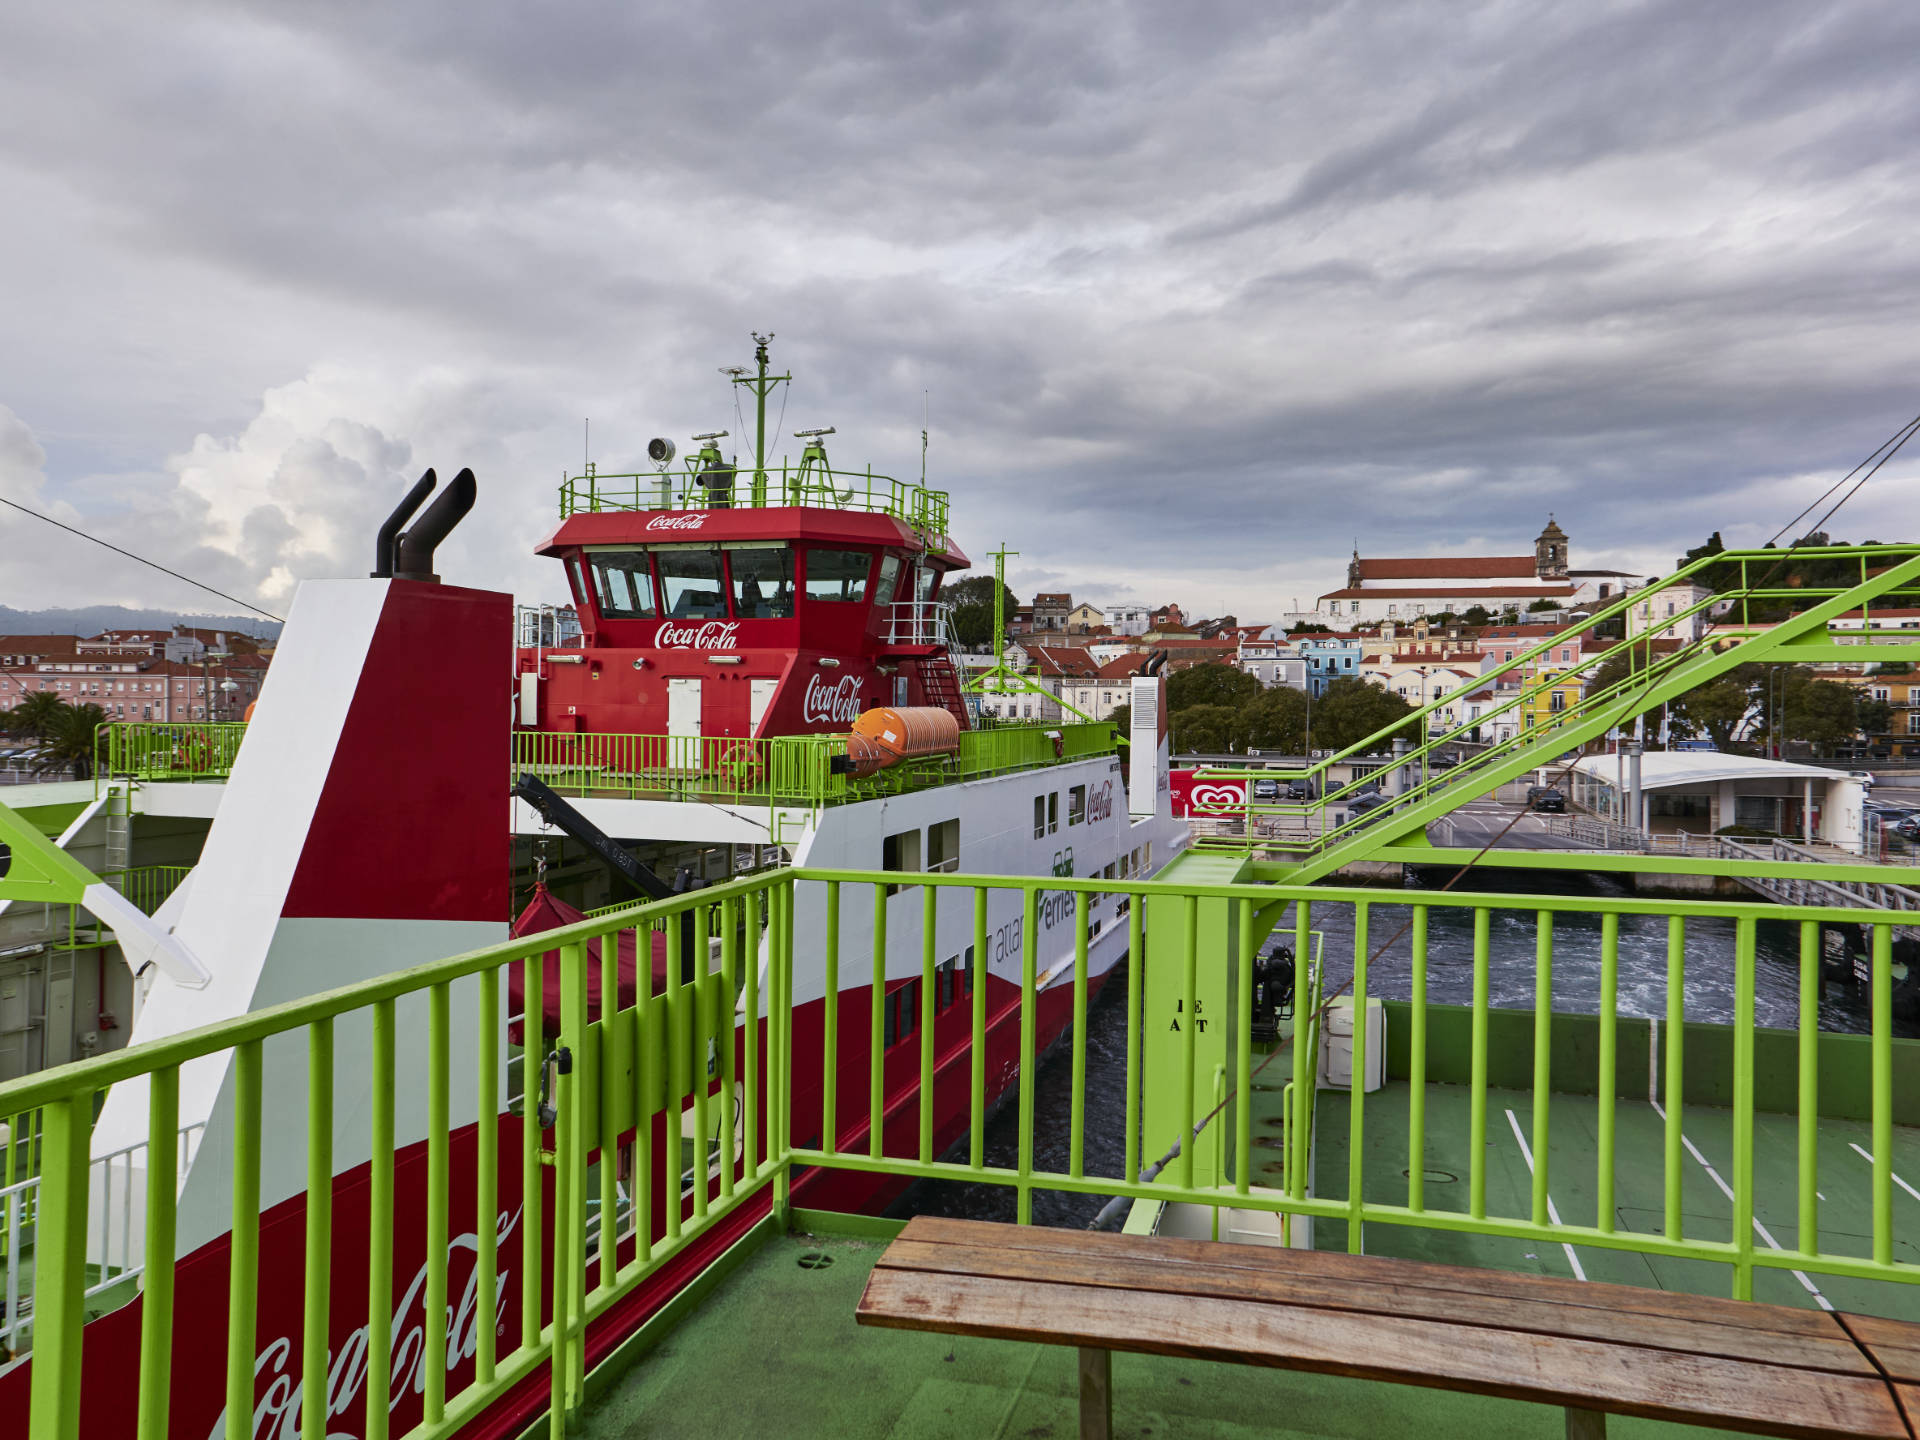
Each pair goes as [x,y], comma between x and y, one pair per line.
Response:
[1195,294]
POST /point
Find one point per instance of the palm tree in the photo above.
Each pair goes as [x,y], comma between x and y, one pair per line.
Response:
[39,715]
[73,742]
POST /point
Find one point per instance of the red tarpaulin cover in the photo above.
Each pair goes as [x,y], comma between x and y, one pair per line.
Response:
[547,912]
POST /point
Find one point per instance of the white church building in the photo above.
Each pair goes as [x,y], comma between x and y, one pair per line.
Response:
[1403,588]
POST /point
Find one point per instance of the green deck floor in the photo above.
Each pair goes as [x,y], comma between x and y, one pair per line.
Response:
[775,1353]
[1846,1206]
[774,1350]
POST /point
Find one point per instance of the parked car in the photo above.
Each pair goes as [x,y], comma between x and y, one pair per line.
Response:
[1546,799]
[1908,827]
[1266,790]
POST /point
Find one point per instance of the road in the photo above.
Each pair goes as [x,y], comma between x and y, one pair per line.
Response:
[1478,822]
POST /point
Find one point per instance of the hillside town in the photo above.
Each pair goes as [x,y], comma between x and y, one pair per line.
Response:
[60,689]
[1402,633]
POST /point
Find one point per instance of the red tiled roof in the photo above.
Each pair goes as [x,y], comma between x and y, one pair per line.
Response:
[1122,667]
[1467,567]
[1061,661]
[1458,592]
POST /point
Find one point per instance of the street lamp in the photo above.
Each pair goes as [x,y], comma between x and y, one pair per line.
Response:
[206,678]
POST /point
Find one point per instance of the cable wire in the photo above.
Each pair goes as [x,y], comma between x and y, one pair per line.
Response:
[154,564]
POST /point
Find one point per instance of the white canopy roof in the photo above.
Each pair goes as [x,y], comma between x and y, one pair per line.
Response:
[1670,769]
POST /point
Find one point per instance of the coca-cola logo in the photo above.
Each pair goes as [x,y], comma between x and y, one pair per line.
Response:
[836,703]
[1100,803]
[683,520]
[276,1413]
[710,635]
[1218,795]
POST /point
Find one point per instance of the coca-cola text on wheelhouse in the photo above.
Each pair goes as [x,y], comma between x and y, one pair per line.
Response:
[729,599]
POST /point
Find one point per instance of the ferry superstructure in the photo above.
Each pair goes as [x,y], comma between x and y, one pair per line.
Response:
[733,625]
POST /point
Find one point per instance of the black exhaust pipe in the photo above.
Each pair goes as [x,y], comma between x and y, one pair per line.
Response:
[383,543]
[415,552]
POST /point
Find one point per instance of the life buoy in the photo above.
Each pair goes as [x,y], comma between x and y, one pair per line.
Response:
[740,763]
[193,753]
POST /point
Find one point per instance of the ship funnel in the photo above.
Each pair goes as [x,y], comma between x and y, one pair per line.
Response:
[415,554]
[383,543]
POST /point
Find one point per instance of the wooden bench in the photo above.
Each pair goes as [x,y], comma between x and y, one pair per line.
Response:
[1592,1349]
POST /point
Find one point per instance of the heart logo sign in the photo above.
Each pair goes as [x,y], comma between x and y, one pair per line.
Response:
[1217,795]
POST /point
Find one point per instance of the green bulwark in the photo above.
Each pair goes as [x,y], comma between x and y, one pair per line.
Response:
[1845,1071]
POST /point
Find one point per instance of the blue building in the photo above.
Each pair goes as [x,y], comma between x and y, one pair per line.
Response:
[1327,656]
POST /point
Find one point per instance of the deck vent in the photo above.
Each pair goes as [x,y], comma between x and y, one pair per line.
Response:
[814,1260]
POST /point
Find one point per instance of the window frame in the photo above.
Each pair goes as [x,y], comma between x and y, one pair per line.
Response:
[598,594]
[806,577]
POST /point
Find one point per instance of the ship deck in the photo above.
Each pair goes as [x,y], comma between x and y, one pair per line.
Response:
[774,1348]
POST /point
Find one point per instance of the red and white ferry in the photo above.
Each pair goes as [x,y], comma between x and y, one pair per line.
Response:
[736,623]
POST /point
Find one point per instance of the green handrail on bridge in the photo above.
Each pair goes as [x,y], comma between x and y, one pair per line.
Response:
[1807,635]
[633,1064]
[916,506]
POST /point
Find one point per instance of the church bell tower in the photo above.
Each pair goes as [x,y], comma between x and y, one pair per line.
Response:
[1550,552]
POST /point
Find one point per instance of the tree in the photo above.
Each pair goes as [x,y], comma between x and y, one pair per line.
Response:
[1276,719]
[1876,717]
[1475,615]
[1309,627]
[972,601]
[38,715]
[1210,685]
[1122,720]
[72,743]
[1543,604]
[1717,708]
[1207,730]
[1817,711]
[1350,710]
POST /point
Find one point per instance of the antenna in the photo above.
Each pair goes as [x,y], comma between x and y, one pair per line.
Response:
[586,442]
[923,442]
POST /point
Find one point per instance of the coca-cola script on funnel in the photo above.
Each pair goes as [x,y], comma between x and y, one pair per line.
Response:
[835,703]
[681,520]
[712,635]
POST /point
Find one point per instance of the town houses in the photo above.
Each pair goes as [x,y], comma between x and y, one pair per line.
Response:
[163,675]
[1436,631]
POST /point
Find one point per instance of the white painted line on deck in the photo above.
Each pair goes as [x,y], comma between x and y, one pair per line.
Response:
[1758,1229]
[1553,1212]
[1868,1157]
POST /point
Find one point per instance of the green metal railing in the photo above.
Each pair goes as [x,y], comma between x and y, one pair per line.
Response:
[680,1053]
[792,770]
[795,770]
[785,485]
[148,886]
[159,750]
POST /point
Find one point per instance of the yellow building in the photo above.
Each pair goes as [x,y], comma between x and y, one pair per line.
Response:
[1901,736]
[1547,695]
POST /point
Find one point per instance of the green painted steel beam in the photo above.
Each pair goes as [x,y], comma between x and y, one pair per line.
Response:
[39,870]
[1581,727]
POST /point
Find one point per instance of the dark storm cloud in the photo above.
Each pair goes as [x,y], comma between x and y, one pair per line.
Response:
[1195,296]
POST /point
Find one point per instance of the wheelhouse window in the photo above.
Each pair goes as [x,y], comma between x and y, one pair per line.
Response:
[762,581]
[837,574]
[889,580]
[690,585]
[622,584]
